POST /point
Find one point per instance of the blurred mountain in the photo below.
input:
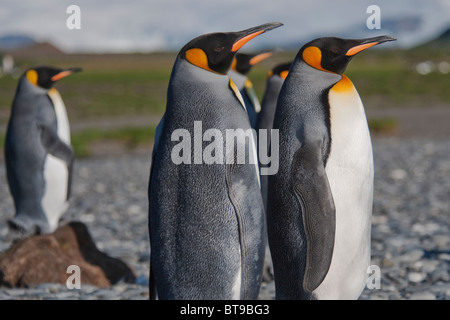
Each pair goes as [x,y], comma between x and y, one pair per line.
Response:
[26,46]
[14,41]
[441,41]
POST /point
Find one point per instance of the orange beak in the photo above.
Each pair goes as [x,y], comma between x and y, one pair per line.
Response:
[64,73]
[367,43]
[260,57]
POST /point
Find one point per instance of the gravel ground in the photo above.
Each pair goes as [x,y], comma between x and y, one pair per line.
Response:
[410,234]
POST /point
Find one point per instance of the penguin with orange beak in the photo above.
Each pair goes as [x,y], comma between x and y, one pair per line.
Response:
[241,66]
[38,153]
[206,219]
[320,201]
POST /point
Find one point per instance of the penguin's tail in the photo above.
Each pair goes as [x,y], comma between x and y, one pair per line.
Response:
[152,285]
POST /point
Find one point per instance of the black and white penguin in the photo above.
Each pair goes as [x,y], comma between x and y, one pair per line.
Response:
[320,201]
[38,153]
[242,64]
[206,216]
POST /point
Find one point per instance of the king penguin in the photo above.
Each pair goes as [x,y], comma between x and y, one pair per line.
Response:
[274,81]
[206,219]
[38,153]
[320,201]
[241,65]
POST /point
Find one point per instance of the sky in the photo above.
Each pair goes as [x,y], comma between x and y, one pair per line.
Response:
[156,25]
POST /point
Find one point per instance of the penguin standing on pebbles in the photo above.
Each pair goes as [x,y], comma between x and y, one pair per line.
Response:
[206,216]
[241,65]
[320,201]
[38,153]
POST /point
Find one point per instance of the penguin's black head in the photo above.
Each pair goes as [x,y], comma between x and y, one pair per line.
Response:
[215,51]
[333,54]
[243,62]
[280,70]
[45,77]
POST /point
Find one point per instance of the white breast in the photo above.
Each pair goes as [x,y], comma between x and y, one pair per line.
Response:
[350,173]
[56,174]
[61,116]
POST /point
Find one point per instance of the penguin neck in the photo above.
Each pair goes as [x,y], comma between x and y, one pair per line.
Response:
[238,78]
[309,83]
[26,92]
[273,87]
[190,83]
[310,76]
[26,85]
[62,120]
[186,71]
[303,110]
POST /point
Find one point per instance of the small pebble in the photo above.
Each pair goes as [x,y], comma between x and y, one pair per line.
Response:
[416,277]
[422,296]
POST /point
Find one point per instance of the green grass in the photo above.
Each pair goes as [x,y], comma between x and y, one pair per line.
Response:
[136,85]
[109,85]
[384,78]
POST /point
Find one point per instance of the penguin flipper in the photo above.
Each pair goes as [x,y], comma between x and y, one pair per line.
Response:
[312,190]
[158,131]
[153,292]
[59,149]
[245,196]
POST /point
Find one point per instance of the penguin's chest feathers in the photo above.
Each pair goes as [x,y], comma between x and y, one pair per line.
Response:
[61,115]
[237,93]
[350,139]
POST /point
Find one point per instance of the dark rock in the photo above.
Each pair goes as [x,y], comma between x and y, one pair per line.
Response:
[45,258]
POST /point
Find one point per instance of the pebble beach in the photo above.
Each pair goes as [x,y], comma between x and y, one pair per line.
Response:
[410,225]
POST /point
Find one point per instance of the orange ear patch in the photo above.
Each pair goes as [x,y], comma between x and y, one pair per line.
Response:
[32,76]
[313,57]
[343,85]
[198,58]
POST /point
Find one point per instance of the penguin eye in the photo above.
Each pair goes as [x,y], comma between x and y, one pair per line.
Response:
[219,49]
[335,50]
